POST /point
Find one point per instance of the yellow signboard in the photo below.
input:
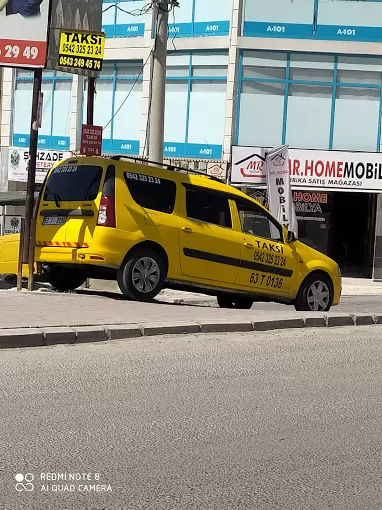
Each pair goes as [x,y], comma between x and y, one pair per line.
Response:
[81,50]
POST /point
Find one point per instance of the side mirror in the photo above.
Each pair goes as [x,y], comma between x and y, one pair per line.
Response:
[291,237]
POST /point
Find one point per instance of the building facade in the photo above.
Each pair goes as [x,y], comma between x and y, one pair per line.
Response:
[255,73]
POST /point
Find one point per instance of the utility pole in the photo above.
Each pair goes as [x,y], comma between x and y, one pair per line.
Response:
[90,105]
[27,246]
[158,84]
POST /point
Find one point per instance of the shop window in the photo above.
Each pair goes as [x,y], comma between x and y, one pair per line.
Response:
[195,105]
[122,18]
[309,101]
[117,107]
[176,117]
[356,119]
[261,114]
[349,20]
[200,18]
[55,130]
[207,103]
[309,116]
[278,18]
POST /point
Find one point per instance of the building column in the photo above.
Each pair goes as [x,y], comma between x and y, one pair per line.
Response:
[232,79]
[146,84]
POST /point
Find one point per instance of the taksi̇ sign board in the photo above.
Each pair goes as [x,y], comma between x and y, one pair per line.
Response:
[23,32]
[332,170]
[18,164]
[91,140]
[81,50]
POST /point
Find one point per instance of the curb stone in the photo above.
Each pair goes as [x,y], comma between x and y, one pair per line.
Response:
[49,336]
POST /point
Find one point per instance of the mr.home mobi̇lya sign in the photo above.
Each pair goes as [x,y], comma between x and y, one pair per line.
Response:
[357,171]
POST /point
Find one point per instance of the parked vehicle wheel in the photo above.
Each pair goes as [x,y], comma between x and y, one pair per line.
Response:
[315,294]
[64,279]
[142,275]
[234,302]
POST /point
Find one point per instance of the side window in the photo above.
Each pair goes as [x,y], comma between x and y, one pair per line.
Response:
[209,207]
[256,222]
[152,192]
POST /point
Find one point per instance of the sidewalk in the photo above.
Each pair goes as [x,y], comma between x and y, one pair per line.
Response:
[44,318]
[44,309]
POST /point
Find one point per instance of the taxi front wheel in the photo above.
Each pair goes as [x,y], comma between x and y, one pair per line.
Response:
[234,302]
[142,275]
[315,294]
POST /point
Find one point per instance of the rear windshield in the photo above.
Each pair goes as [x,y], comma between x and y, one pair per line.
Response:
[73,183]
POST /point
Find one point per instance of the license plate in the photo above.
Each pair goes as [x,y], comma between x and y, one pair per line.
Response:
[54,220]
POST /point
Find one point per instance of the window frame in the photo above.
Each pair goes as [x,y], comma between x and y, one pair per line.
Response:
[51,78]
[333,61]
[256,208]
[192,187]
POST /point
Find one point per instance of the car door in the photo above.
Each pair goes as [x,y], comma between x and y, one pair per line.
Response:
[209,246]
[268,264]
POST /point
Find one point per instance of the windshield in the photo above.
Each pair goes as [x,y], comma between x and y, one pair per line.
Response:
[73,183]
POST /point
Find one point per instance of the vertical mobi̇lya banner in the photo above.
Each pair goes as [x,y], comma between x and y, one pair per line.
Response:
[279,189]
[71,15]
[23,32]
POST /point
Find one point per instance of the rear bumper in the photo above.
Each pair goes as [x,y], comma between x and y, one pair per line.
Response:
[80,256]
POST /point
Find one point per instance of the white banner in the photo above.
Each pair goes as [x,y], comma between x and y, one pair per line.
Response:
[279,190]
[18,164]
[335,170]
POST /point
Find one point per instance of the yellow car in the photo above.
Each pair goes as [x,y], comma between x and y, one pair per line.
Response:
[152,228]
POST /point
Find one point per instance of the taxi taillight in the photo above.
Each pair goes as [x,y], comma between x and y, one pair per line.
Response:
[106,212]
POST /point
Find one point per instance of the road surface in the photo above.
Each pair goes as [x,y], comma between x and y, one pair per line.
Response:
[288,420]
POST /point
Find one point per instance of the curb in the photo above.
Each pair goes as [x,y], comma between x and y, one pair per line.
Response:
[49,336]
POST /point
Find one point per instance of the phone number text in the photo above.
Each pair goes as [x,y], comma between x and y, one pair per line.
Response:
[142,178]
[269,258]
[80,62]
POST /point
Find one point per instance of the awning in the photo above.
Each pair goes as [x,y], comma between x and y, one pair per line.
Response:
[14,197]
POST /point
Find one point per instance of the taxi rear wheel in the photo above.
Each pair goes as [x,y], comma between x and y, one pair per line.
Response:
[315,294]
[64,279]
[141,277]
[234,302]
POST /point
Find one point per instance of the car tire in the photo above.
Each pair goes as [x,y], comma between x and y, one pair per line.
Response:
[315,294]
[239,303]
[64,279]
[141,276]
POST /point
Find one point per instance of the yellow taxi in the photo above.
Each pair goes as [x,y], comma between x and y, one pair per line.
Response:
[152,228]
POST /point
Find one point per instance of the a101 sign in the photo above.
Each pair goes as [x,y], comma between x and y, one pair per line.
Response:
[81,50]
[23,33]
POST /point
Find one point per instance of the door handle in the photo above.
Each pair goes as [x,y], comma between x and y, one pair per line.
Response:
[248,245]
[187,229]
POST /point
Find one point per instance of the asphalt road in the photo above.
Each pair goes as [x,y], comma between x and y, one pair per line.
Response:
[290,420]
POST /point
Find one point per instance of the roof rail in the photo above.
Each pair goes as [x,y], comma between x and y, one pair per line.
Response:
[118,157]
